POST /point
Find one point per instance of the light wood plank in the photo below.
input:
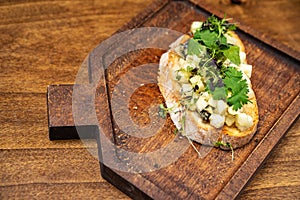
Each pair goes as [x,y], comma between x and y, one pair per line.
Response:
[23,117]
[31,166]
[45,43]
[102,190]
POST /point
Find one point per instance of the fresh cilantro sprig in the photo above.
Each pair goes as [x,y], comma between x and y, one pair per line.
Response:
[237,86]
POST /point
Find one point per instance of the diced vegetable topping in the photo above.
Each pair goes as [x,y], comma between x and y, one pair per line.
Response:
[213,75]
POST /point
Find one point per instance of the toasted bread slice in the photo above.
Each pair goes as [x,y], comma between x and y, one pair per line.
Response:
[194,127]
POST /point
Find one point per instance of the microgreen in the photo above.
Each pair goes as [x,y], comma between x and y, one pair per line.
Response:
[163,111]
[228,145]
[175,131]
[212,35]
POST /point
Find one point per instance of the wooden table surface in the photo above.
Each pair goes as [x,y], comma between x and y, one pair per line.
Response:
[45,42]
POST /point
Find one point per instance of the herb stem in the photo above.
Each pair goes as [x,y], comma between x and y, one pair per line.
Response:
[232,152]
[191,142]
[210,59]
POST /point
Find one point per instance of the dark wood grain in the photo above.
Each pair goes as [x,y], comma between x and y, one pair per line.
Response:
[45,42]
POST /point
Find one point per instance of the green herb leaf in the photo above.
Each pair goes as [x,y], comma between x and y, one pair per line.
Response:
[223,40]
[238,99]
[238,87]
[233,54]
[219,93]
[182,122]
[209,38]
[231,27]
[194,48]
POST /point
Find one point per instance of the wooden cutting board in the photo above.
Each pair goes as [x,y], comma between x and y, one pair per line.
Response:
[275,80]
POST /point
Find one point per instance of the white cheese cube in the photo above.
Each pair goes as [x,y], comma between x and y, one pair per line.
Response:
[196,80]
[201,104]
[217,120]
[212,102]
[243,57]
[246,78]
[209,109]
[227,62]
[186,90]
[229,120]
[196,25]
[233,65]
[230,39]
[247,69]
[221,107]
[195,96]
[181,62]
[243,121]
[205,95]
